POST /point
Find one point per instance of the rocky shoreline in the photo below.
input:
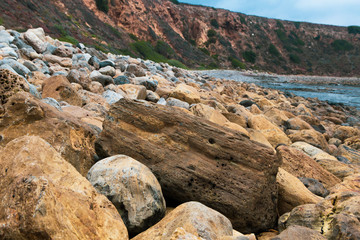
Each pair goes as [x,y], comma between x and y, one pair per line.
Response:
[103,146]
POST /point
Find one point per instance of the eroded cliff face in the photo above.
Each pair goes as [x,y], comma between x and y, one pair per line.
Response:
[200,36]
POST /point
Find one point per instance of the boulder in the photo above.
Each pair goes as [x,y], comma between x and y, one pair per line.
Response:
[311,150]
[236,127]
[352,155]
[292,192]
[133,91]
[103,79]
[344,132]
[112,97]
[339,169]
[185,93]
[195,159]
[59,88]
[235,118]
[150,84]
[173,102]
[299,164]
[194,218]
[80,76]
[108,70]
[136,70]
[38,44]
[257,136]
[297,123]
[26,115]
[315,186]
[96,87]
[10,84]
[276,116]
[299,233]
[309,136]
[272,132]
[133,190]
[63,51]
[64,62]
[119,80]
[152,96]
[44,197]
[208,113]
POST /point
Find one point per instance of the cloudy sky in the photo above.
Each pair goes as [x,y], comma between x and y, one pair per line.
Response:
[335,12]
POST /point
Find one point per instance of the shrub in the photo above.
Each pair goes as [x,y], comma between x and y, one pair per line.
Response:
[147,51]
[69,39]
[133,37]
[242,20]
[175,1]
[61,30]
[281,34]
[1,21]
[354,29]
[214,23]
[192,42]
[236,63]
[342,45]
[295,58]
[279,24]
[273,50]
[204,50]
[249,56]
[164,49]
[114,31]
[176,63]
[102,5]
[297,24]
[211,33]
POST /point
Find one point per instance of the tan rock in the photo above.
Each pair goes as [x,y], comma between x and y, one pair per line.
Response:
[181,234]
[292,192]
[344,132]
[133,91]
[255,109]
[208,113]
[299,164]
[59,88]
[186,93]
[64,62]
[257,136]
[93,98]
[276,116]
[353,142]
[299,233]
[235,118]
[307,148]
[195,218]
[297,123]
[37,78]
[309,136]
[272,133]
[301,109]
[33,39]
[96,87]
[236,127]
[10,84]
[350,154]
[46,198]
[339,169]
[132,188]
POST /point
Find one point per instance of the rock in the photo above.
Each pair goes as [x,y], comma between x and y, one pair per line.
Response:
[195,218]
[299,164]
[136,70]
[10,84]
[44,197]
[18,67]
[108,70]
[146,82]
[152,96]
[80,76]
[181,234]
[25,115]
[134,91]
[35,41]
[173,102]
[63,51]
[307,148]
[350,154]
[52,102]
[344,132]
[309,136]
[299,233]
[257,136]
[276,116]
[106,63]
[235,118]
[96,87]
[111,97]
[89,97]
[353,142]
[94,61]
[103,79]
[335,141]
[297,123]
[196,160]
[292,192]
[301,109]
[272,133]
[133,190]
[185,93]
[339,169]
[236,127]
[5,37]
[208,113]
[59,88]
[247,103]
[8,52]
[315,186]
[64,62]
[119,80]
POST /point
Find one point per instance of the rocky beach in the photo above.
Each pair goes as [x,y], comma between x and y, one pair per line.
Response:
[95,145]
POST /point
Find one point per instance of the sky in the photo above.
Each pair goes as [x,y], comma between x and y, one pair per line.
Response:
[333,12]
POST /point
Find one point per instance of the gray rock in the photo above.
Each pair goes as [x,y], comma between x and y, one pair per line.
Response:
[108,70]
[161,101]
[136,70]
[81,57]
[314,186]
[80,76]
[111,96]
[42,66]
[6,66]
[98,109]
[152,96]
[95,62]
[119,80]
[5,37]
[31,66]
[103,79]
[105,63]
[52,102]
[33,90]
[173,102]
[80,46]
[132,188]
[146,82]
[8,52]
[18,67]
[60,73]
[35,41]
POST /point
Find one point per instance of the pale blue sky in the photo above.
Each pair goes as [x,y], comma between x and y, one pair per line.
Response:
[334,12]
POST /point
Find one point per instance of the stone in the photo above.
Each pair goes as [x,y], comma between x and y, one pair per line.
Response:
[89,97]
[235,118]
[112,97]
[339,169]
[133,190]
[299,233]
[133,91]
[152,96]
[63,51]
[350,154]
[44,197]
[297,123]
[195,218]
[315,186]
[301,109]
[52,102]
[103,79]
[26,115]
[185,93]
[257,136]
[208,113]
[10,84]
[272,132]
[247,103]
[59,88]
[136,70]
[108,70]
[300,164]
[173,102]
[18,67]
[96,87]
[307,148]
[8,52]
[181,234]
[80,76]
[64,62]
[236,127]
[292,192]
[335,141]
[196,160]
[276,116]
[344,132]
[150,84]
[5,37]
[106,63]
[309,136]
[353,142]
[38,44]
[96,108]
[94,61]
[119,80]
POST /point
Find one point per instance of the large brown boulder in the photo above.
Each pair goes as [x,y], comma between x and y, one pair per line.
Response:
[10,84]
[195,159]
[59,88]
[299,164]
[44,197]
[309,136]
[25,115]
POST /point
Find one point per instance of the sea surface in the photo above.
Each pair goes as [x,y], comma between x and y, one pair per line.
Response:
[332,89]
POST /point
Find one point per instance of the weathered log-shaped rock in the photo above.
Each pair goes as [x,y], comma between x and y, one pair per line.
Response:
[195,159]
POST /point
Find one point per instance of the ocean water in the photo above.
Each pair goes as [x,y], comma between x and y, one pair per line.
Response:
[333,93]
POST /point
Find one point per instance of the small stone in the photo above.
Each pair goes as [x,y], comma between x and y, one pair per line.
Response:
[96,87]
[136,70]
[111,97]
[119,80]
[173,102]
[108,70]
[103,79]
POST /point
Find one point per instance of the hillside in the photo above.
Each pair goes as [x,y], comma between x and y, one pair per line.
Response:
[197,36]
